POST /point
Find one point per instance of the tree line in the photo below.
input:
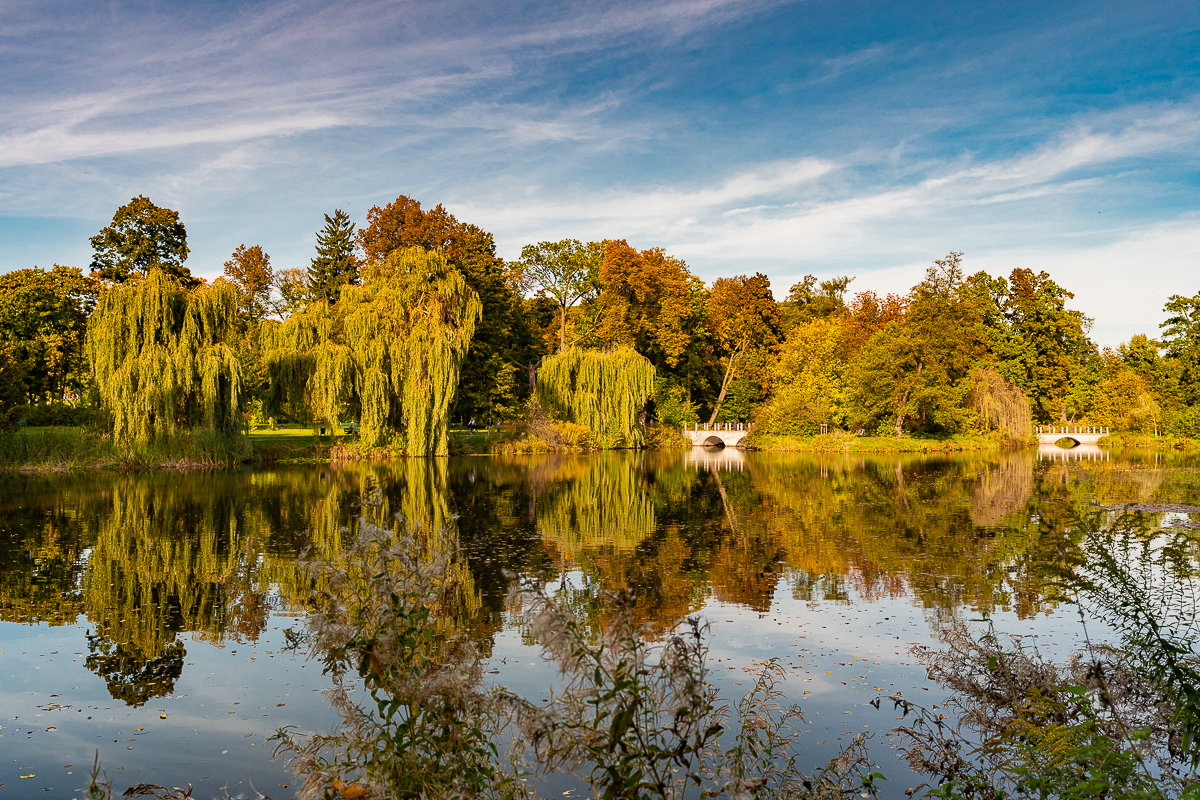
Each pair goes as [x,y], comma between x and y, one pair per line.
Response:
[414,320]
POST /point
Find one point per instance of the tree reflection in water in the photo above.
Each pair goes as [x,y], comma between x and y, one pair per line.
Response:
[148,559]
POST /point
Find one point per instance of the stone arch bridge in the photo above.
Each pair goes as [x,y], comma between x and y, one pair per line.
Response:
[720,434]
[1079,434]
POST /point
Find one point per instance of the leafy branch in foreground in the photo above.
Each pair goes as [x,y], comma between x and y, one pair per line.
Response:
[1114,722]
[637,719]
[424,726]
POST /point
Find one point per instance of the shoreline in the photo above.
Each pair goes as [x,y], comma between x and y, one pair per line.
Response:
[63,450]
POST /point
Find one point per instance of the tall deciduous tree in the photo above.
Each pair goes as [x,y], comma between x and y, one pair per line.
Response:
[141,237]
[489,386]
[390,352]
[250,270]
[645,302]
[1181,337]
[1038,342]
[567,271]
[162,360]
[336,264]
[292,286]
[604,390]
[43,316]
[744,318]
[811,299]
[915,371]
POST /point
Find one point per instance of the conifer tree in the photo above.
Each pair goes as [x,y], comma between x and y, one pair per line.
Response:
[336,263]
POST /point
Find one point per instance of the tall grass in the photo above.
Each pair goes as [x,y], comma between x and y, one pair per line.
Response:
[66,448]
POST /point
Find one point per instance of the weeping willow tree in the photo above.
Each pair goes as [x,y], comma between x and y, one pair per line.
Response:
[389,352]
[161,359]
[169,557]
[604,390]
[1002,406]
[608,506]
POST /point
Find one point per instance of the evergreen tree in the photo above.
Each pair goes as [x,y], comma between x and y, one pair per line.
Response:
[335,264]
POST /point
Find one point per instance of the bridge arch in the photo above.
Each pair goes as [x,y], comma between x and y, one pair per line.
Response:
[1076,434]
[721,434]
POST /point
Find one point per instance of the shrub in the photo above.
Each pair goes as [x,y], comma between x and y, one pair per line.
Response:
[1187,424]
[44,415]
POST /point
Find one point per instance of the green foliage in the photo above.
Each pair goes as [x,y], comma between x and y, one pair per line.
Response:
[671,405]
[12,379]
[162,361]
[1181,337]
[1037,341]
[336,264]
[809,300]
[604,391]
[1187,424]
[142,237]
[388,353]
[567,271]
[1001,406]
[1123,400]
[43,316]
[809,382]
[915,371]
[53,414]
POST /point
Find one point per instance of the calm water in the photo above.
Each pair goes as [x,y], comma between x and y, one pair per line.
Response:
[142,616]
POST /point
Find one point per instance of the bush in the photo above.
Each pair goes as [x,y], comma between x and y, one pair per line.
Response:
[45,415]
[1187,424]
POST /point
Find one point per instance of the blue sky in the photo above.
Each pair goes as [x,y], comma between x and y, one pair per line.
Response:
[784,137]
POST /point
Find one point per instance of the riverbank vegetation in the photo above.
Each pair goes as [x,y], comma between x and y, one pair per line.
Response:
[412,323]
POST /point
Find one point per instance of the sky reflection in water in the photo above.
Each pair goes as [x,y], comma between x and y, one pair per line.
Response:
[124,598]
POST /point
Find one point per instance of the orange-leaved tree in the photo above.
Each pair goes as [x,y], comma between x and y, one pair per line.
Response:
[744,318]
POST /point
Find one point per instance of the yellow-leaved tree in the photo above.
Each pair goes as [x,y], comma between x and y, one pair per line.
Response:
[161,359]
[388,353]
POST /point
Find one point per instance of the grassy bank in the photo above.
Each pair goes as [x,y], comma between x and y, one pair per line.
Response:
[64,449]
[1142,441]
[844,442]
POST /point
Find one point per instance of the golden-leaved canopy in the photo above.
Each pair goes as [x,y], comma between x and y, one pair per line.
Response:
[389,353]
[161,360]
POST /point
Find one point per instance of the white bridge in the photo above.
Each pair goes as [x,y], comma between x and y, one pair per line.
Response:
[1079,434]
[721,434]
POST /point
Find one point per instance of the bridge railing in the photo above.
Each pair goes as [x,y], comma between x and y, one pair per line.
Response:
[1068,430]
[719,426]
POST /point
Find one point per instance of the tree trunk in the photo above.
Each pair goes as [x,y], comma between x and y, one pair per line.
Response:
[726,381]
[562,339]
[903,402]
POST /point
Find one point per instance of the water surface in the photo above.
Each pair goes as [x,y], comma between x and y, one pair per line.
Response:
[142,616]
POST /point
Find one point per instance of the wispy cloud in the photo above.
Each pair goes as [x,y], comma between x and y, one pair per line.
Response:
[779,207]
[299,67]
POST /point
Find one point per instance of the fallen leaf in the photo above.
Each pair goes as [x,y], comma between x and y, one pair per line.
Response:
[350,791]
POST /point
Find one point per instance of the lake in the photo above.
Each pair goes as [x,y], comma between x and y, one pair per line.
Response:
[142,616]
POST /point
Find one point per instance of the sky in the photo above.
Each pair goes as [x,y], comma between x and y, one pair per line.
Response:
[788,138]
